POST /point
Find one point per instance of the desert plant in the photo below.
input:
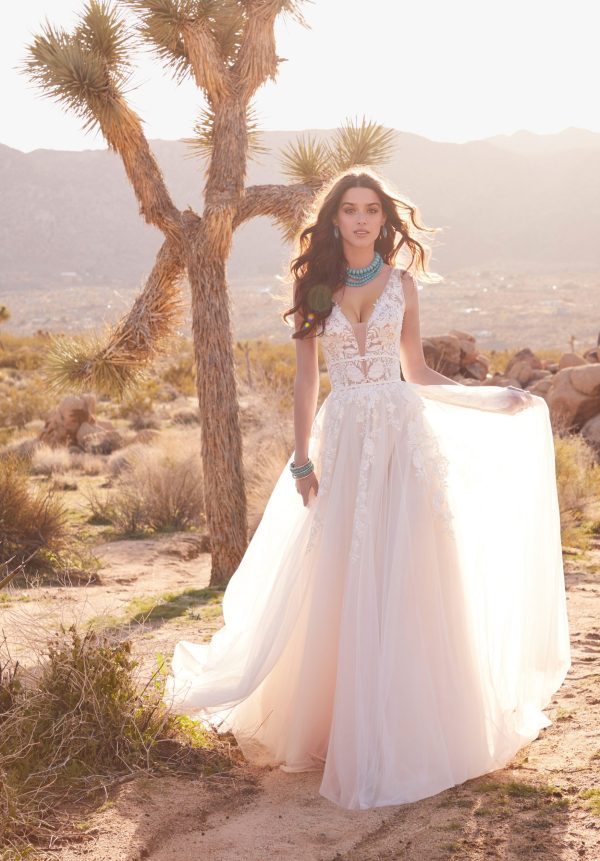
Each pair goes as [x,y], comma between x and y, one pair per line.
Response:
[577,478]
[33,522]
[154,492]
[228,47]
[77,722]
[22,400]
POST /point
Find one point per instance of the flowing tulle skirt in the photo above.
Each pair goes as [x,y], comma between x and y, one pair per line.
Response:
[403,631]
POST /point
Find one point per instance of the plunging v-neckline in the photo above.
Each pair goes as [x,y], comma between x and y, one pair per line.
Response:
[375,304]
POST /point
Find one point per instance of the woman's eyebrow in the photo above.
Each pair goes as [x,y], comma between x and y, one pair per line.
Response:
[351,203]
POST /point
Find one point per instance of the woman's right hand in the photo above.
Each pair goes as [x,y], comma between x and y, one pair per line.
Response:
[305,485]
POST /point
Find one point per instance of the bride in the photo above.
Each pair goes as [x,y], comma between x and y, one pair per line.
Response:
[398,621]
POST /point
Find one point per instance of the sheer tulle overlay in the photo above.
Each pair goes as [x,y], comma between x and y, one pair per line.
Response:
[403,632]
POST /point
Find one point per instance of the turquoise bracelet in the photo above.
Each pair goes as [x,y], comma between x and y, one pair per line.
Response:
[302,470]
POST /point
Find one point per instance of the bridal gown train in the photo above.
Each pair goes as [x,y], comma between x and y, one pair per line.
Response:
[404,630]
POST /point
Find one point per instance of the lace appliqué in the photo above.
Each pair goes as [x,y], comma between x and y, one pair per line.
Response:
[380,361]
[373,380]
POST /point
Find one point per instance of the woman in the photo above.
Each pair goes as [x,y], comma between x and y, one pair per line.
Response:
[398,620]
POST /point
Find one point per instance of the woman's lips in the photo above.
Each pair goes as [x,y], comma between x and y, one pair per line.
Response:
[361,232]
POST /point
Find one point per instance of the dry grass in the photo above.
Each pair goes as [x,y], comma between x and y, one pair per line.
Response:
[22,399]
[157,488]
[34,521]
[499,359]
[578,484]
[79,721]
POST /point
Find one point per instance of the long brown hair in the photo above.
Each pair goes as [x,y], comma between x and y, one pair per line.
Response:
[320,267]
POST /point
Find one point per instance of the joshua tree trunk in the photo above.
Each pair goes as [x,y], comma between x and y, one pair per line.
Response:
[224,491]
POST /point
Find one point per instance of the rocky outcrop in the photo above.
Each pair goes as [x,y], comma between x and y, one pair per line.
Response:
[574,396]
[455,353]
[73,423]
[571,386]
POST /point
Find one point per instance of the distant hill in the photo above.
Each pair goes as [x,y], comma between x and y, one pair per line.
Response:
[519,249]
[527,202]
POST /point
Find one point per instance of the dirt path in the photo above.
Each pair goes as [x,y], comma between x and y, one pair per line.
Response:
[538,808]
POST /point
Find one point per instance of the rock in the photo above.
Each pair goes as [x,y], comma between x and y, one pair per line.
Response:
[591,432]
[468,349]
[478,369]
[540,374]
[442,353]
[592,355]
[570,360]
[98,440]
[73,424]
[574,397]
[462,336]
[521,366]
[541,387]
[496,379]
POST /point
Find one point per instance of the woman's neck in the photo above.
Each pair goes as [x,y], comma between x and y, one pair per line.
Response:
[358,258]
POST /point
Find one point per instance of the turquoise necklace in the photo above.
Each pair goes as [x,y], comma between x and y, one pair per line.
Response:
[357,276]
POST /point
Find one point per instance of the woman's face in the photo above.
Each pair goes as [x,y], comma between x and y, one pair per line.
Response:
[360,216]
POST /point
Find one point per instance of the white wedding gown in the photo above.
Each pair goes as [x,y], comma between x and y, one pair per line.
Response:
[403,631]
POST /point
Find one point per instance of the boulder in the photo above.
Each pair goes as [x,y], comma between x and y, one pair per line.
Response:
[73,424]
[541,387]
[468,350]
[540,374]
[477,369]
[591,432]
[442,353]
[521,366]
[592,355]
[574,397]
[570,360]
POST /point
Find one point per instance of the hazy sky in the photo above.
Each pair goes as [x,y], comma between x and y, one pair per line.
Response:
[451,70]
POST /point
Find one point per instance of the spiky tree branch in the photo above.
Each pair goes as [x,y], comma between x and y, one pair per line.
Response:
[286,204]
[86,71]
[257,58]
[113,362]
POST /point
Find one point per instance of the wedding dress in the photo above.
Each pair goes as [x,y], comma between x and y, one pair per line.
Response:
[404,630]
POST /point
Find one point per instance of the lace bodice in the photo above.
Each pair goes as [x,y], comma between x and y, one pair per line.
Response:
[367,352]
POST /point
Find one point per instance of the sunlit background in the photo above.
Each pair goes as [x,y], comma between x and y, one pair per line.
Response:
[450,71]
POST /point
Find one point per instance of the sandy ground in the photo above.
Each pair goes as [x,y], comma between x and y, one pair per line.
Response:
[534,809]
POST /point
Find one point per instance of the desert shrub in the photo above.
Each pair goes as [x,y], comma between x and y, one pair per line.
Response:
[266,366]
[33,522]
[22,400]
[155,491]
[46,460]
[79,721]
[23,352]
[139,401]
[181,375]
[577,478]
[87,464]
[186,416]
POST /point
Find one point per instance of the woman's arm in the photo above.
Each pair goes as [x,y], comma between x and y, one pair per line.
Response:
[306,393]
[412,359]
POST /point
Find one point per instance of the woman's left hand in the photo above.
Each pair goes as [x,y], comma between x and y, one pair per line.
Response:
[520,399]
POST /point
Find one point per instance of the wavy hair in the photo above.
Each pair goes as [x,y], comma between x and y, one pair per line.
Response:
[319,268]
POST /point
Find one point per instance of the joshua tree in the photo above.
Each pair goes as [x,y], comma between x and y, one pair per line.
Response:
[228,48]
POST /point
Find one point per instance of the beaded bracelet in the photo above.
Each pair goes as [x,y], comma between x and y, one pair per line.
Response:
[302,470]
